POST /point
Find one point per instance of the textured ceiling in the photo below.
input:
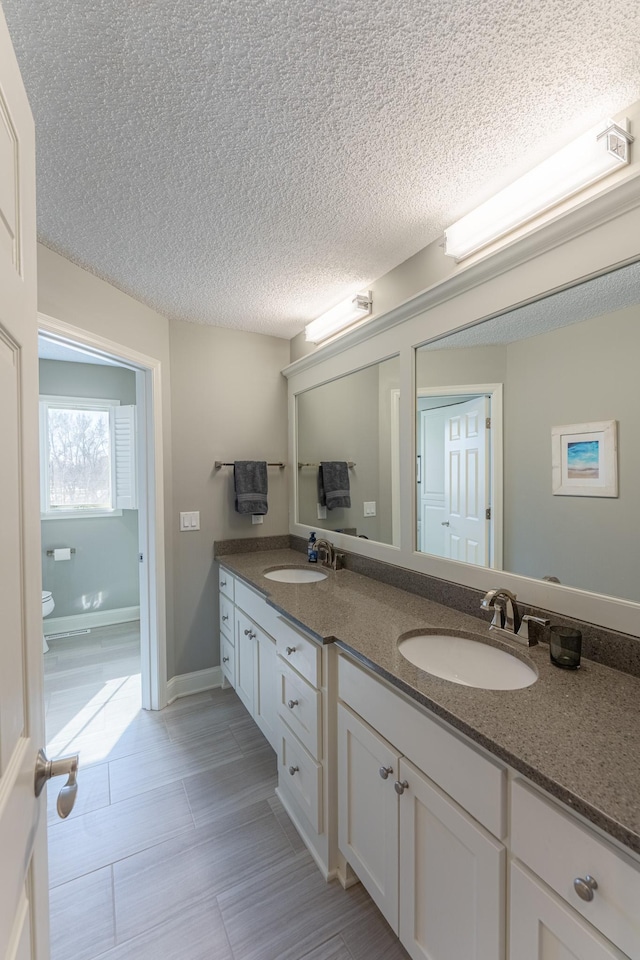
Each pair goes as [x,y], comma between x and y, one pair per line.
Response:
[250,163]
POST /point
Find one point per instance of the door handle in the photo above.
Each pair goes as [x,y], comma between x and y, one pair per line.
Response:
[65,766]
[445,523]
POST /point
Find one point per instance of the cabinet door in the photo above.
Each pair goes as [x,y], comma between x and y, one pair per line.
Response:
[368,810]
[452,877]
[543,927]
[266,695]
[246,634]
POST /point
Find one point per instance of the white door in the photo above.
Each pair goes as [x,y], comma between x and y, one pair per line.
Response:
[452,877]
[368,810]
[246,633]
[544,928]
[467,482]
[432,515]
[266,699]
[23,879]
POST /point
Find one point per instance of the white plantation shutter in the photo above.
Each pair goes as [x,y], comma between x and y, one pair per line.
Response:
[125,443]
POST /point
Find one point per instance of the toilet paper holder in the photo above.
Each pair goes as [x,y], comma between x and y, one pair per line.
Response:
[52,553]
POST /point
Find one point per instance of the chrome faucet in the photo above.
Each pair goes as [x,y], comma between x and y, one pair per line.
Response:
[507,619]
[506,614]
[327,554]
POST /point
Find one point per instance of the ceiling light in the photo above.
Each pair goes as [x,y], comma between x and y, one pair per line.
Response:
[583,162]
[346,313]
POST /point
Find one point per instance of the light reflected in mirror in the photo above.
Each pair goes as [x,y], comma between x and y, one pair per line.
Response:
[570,359]
[352,419]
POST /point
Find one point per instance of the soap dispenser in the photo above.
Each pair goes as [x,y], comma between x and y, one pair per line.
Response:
[312,553]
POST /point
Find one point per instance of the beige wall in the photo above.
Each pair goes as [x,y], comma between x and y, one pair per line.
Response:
[229,402]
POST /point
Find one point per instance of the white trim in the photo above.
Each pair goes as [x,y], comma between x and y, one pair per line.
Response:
[89,620]
[186,684]
[153,639]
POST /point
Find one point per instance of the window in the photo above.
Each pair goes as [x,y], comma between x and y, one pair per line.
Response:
[87,462]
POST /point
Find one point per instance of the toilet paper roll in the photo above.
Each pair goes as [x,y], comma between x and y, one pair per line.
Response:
[62,553]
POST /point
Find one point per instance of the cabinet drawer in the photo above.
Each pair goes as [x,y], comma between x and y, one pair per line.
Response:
[477,783]
[559,849]
[301,777]
[226,614]
[228,658]
[256,607]
[299,705]
[300,652]
[226,583]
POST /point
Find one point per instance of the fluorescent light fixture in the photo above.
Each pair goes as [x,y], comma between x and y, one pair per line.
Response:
[585,161]
[346,313]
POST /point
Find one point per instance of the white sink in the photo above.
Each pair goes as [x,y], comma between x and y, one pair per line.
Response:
[469,662]
[296,575]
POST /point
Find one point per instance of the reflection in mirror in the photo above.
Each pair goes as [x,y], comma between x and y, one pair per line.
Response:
[353,419]
[569,360]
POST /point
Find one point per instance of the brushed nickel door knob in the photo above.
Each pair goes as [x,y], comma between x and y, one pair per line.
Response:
[293,770]
[584,887]
[65,766]
[385,771]
[290,650]
[400,786]
[292,703]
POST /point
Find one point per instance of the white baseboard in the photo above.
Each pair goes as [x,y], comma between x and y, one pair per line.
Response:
[94,618]
[187,683]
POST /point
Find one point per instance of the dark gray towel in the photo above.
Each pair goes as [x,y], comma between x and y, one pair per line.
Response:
[333,478]
[251,485]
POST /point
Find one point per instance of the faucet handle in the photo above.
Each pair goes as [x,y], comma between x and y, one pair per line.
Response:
[523,632]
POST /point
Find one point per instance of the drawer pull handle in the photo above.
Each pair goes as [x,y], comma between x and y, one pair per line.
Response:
[385,771]
[293,770]
[225,659]
[225,616]
[290,650]
[584,887]
[250,634]
[223,583]
[292,703]
[400,786]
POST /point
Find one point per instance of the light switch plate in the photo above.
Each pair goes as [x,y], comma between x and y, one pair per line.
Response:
[322,512]
[189,521]
[257,518]
[369,508]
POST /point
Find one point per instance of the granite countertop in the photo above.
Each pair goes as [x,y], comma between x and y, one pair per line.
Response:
[574,733]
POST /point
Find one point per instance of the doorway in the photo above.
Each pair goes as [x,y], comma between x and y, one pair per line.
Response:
[139,485]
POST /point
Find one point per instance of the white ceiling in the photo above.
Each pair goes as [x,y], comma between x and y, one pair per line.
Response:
[249,163]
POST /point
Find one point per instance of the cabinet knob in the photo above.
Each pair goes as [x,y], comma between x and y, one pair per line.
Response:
[250,634]
[292,703]
[293,770]
[223,583]
[290,650]
[584,887]
[225,616]
[400,786]
[385,771]
[225,659]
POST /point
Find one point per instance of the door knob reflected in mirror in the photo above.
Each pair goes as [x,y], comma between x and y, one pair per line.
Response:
[65,766]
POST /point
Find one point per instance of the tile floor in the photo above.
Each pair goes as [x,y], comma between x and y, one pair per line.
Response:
[177,848]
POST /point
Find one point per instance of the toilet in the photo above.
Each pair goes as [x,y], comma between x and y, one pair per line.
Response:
[47,608]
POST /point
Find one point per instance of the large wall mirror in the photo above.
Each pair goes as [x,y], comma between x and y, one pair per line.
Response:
[528,439]
[352,420]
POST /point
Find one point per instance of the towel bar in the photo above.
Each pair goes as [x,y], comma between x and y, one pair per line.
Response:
[219,464]
[350,464]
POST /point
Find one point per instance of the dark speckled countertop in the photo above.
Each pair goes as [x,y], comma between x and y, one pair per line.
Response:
[575,733]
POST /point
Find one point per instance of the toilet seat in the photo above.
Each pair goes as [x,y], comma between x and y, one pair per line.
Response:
[46,595]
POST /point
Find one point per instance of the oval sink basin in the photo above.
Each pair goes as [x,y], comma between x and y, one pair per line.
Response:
[296,575]
[469,662]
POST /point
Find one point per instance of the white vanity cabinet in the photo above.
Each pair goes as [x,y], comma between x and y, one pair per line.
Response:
[435,872]
[248,651]
[572,892]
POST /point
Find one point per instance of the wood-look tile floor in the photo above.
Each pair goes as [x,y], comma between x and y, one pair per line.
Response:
[178,848]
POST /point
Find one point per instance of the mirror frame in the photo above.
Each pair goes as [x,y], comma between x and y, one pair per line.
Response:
[593,238]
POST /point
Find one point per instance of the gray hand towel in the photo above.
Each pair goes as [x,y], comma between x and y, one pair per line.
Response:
[250,481]
[333,477]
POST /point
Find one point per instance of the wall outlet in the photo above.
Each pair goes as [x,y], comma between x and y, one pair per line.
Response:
[322,512]
[257,518]
[369,508]
[189,521]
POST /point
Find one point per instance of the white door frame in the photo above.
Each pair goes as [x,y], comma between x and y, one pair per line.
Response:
[153,641]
